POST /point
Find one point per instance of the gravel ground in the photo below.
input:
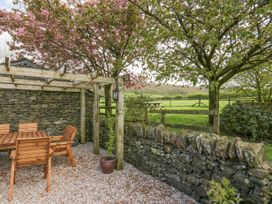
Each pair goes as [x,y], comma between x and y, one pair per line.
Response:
[86,183]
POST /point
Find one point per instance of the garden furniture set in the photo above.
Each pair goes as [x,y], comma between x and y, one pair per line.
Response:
[29,146]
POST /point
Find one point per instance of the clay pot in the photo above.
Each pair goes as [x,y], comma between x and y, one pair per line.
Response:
[107,164]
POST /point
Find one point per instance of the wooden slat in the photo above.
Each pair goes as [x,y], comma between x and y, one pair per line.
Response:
[32,150]
[31,82]
[28,127]
[8,141]
[185,112]
[4,128]
[22,71]
[37,88]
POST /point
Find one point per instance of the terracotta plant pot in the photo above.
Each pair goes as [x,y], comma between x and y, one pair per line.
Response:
[107,164]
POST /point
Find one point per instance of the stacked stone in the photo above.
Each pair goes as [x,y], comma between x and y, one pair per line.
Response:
[190,160]
[51,110]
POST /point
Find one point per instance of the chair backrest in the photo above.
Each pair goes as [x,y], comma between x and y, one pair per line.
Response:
[4,128]
[69,132]
[32,151]
[28,127]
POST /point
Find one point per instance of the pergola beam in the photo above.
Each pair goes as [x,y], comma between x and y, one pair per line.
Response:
[45,74]
[37,88]
[31,82]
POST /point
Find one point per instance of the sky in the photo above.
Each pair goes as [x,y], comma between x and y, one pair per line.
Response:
[6,4]
[5,37]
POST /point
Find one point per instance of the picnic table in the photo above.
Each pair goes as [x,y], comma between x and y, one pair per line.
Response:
[153,104]
[8,140]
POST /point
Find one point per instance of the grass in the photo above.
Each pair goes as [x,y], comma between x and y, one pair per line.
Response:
[268,152]
[201,120]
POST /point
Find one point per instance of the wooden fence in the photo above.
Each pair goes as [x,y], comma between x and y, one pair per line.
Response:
[163,113]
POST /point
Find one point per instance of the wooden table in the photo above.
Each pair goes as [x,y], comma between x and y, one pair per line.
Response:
[8,141]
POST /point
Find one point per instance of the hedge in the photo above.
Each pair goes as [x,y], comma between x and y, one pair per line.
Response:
[247,120]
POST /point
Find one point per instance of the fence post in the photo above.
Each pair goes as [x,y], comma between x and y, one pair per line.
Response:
[162,117]
[146,115]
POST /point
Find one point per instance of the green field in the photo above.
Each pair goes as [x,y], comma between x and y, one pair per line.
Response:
[201,120]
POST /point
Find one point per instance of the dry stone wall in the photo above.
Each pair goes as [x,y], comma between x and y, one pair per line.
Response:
[51,110]
[189,160]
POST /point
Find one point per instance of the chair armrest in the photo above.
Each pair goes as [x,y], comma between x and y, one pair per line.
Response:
[51,152]
[13,154]
[57,138]
[60,143]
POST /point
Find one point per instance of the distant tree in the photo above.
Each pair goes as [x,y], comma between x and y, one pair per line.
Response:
[208,40]
[256,82]
[103,36]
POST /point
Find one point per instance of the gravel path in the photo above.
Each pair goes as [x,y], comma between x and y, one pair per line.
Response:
[86,183]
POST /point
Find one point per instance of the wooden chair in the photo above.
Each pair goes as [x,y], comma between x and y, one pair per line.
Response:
[28,127]
[31,151]
[4,128]
[61,145]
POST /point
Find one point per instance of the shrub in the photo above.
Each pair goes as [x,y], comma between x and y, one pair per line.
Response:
[223,192]
[110,124]
[136,107]
[247,120]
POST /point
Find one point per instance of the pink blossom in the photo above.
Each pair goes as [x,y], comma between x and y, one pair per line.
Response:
[45,12]
[20,31]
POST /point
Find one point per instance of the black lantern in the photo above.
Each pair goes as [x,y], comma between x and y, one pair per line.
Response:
[115,94]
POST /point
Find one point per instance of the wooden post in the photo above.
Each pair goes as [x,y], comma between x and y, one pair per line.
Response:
[7,63]
[146,115]
[162,117]
[120,126]
[82,116]
[96,119]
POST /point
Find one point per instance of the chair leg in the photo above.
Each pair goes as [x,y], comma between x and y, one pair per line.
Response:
[45,171]
[48,172]
[71,156]
[15,171]
[11,185]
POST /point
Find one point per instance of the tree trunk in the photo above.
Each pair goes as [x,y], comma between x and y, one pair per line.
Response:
[213,99]
[108,98]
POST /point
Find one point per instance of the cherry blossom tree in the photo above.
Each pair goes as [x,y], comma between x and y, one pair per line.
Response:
[102,36]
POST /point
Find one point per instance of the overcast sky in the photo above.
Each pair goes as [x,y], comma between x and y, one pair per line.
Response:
[6,4]
[4,50]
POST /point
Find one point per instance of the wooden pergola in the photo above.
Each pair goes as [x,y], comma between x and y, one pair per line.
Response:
[22,78]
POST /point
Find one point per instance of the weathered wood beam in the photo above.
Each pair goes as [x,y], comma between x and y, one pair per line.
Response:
[37,88]
[48,81]
[42,83]
[96,119]
[22,71]
[120,126]
[82,116]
